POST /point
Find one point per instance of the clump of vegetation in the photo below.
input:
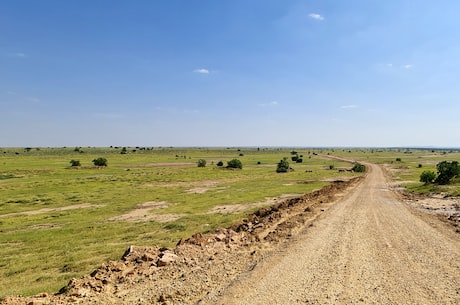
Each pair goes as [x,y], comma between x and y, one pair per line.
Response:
[427,177]
[359,168]
[75,163]
[123,151]
[398,160]
[283,166]
[100,161]
[220,163]
[447,171]
[234,163]
[201,163]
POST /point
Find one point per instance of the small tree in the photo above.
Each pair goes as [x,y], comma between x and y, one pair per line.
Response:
[447,171]
[235,163]
[75,163]
[427,177]
[283,166]
[201,163]
[100,161]
[359,168]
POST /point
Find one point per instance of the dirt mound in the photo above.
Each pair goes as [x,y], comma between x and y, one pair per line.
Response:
[199,266]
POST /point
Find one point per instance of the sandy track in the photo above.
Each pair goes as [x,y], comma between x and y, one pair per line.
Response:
[369,248]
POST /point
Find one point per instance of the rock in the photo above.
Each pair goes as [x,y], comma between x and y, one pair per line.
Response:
[166,259]
[220,237]
[147,257]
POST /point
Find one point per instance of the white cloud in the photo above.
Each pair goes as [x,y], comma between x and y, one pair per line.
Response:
[17,54]
[407,66]
[201,71]
[316,16]
[348,106]
[389,65]
[272,103]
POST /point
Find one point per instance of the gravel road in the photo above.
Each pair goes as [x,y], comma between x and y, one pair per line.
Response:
[369,248]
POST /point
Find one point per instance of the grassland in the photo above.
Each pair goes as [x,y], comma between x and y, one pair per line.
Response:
[406,165]
[58,222]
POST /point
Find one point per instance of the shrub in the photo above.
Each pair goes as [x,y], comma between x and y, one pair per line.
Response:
[398,159]
[359,168]
[447,171]
[294,158]
[299,160]
[100,161]
[235,163]
[220,163]
[420,166]
[201,163]
[331,166]
[427,177]
[283,166]
[75,163]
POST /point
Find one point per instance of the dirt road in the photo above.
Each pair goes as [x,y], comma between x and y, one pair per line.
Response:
[369,248]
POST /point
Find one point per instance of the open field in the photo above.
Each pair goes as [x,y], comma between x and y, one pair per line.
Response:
[58,222]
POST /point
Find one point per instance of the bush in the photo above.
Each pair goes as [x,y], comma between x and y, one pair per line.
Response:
[234,163]
[100,161]
[398,160]
[75,163]
[427,177]
[294,158]
[447,171]
[299,160]
[220,163]
[201,163]
[283,166]
[359,168]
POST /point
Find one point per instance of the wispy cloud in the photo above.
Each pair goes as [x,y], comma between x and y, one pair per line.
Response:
[408,66]
[348,106]
[201,71]
[17,54]
[270,104]
[316,16]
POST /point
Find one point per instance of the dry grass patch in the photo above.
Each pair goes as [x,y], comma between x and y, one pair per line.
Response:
[239,208]
[48,210]
[142,212]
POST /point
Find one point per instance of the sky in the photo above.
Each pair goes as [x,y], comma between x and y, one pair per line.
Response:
[356,73]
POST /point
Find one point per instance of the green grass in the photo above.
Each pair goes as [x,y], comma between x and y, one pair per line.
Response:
[42,252]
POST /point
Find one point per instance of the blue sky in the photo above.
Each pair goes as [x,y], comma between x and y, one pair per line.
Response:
[229,73]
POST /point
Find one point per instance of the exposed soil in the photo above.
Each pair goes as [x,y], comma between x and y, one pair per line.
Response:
[48,210]
[142,212]
[353,242]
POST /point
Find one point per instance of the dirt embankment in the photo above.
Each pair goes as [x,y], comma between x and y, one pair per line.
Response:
[198,267]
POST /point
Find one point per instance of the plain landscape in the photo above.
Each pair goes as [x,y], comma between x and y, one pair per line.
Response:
[61,221]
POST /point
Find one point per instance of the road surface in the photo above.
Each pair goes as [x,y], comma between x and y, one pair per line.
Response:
[369,248]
